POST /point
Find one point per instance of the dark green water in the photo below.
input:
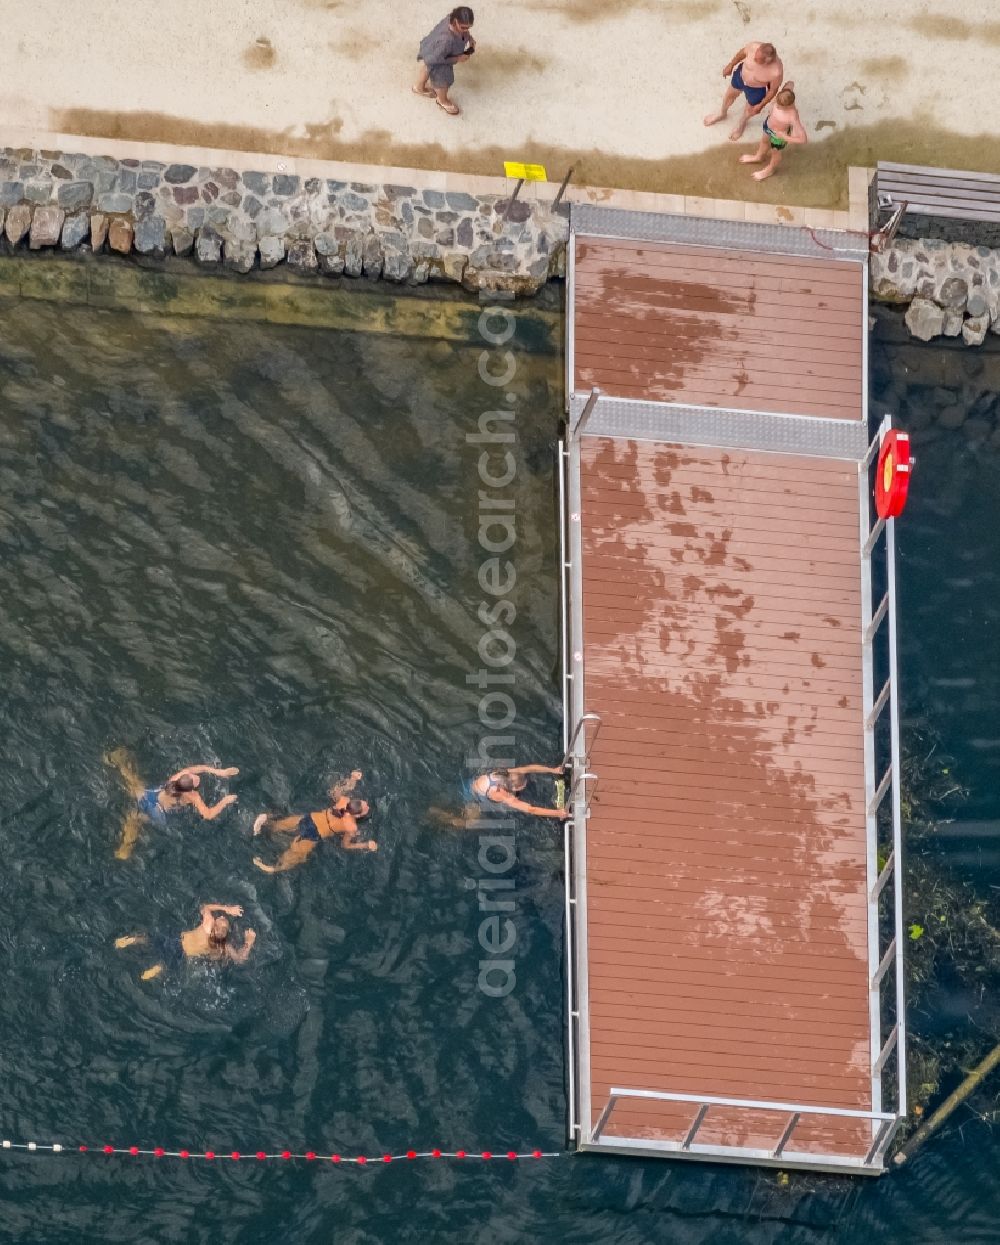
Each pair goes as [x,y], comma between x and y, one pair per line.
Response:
[257,546]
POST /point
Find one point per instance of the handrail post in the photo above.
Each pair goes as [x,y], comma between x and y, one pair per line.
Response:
[603,1118]
[510,201]
[562,189]
[881,1136]
[695,1125]
[789,1129]
[588,410]
[568,754]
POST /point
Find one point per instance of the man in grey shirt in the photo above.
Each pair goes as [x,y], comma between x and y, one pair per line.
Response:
[449,43]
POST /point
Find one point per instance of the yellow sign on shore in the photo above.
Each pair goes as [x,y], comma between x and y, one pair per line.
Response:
[529,172]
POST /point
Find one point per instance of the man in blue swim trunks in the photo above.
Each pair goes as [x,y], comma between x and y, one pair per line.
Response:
[757,72]
[153,803]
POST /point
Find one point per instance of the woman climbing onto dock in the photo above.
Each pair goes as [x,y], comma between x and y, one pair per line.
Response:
[503,786]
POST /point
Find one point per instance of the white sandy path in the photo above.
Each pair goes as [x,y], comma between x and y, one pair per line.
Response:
[636,81]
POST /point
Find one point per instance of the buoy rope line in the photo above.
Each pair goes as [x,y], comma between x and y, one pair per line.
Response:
[309,1156]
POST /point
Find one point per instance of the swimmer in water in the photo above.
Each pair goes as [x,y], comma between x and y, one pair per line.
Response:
[341,817]
[153,803]
[502,786]
[209,940]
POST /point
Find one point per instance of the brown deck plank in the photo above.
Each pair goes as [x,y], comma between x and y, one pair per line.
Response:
[726,847]
[711,327]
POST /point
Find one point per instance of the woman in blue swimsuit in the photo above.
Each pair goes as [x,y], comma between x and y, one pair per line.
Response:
[154,803]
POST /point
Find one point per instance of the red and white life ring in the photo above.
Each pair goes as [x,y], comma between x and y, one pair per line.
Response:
[892,479]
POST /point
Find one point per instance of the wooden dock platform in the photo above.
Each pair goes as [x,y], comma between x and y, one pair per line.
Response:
[733,885]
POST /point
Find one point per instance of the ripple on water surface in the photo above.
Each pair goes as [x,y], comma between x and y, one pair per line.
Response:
[257,546]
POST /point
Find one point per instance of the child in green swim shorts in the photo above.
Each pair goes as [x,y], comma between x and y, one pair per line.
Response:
[781,127]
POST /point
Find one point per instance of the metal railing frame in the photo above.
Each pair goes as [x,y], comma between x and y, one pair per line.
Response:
[883,1123]
[875,623]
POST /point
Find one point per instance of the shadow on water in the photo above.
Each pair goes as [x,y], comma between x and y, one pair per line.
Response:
[256,544]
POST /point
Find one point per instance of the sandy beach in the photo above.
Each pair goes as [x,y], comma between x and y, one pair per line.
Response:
[617,89]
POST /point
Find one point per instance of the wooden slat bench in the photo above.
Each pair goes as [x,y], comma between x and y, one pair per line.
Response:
[940,192]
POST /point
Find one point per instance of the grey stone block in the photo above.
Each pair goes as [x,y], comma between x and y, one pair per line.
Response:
[285,184]
[38,192]
[974,330]
[240,229]
[151,237]
[240,254]
[272,221]
[977,305]
[183,240]
[396,263]
[354,203]
[328,250]
[75,231]
[272,251]
[208,247]
[953,294]
[11,192]
[371,262]
[145,204]
[354,255]
[75,195]
[259,183]
[302,255]
[148,181]
[519,210]
[461,202]
[115,202]
[179,173]
[434,198]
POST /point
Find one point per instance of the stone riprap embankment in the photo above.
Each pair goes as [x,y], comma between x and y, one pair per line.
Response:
[953,289]
[239,221]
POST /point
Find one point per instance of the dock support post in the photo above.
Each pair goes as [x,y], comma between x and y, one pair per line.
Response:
[955,1099]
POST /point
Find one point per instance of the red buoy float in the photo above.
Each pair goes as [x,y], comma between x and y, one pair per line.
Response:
[892,478]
